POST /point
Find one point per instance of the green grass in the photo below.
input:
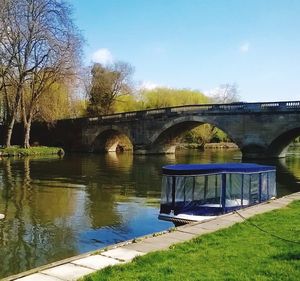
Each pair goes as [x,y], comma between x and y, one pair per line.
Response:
[241,252]
[190,146]
[34,150]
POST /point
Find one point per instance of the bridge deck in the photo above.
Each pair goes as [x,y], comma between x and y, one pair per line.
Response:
[229,108]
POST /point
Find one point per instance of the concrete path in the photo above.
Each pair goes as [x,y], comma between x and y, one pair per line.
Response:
[77,267]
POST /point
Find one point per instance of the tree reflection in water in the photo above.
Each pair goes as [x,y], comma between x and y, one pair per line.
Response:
[55,208]
[34,231]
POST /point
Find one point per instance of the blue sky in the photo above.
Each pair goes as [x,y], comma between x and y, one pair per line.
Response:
[199,44]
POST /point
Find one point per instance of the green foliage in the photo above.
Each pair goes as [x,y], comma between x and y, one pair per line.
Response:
[108,84]
[34,150]
[221,136]
[204,134]
[78,108]
[58,103]
[297,140]
[165,97]
[126,103]
[158,98]
[240,252]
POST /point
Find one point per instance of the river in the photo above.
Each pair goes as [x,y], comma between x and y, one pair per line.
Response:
[60,207]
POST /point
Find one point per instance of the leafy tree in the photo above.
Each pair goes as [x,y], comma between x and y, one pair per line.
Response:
[108,85]
[158,98]
[202,134]
[57,103]
[127,103]
[165,97]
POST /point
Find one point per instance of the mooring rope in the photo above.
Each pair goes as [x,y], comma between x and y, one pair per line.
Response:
[265,231]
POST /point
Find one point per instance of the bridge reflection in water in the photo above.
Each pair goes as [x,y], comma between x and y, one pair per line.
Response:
[59,207]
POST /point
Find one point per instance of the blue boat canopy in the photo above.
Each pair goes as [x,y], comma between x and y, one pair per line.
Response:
[213,189]
[198,169]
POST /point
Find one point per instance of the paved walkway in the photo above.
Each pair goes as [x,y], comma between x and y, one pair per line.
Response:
[76,267]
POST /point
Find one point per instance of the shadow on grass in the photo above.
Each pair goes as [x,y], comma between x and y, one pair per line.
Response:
[287,256]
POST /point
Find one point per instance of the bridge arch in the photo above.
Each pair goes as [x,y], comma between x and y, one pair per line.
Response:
[279,146]
[164,140]
[111,139]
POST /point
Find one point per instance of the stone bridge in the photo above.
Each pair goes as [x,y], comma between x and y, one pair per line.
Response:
[261,130]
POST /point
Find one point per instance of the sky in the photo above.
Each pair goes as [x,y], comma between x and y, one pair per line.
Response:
[199,44]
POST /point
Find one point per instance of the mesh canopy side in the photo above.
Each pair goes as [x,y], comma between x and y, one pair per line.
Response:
[199,188]
[184,194]
[213,188]
[184,189]
[254,189]
[198,195]
[189,189]
[234,184]
[179,191]
[264,187]
[246,190]
[207,187]
[166,190]
[272,184]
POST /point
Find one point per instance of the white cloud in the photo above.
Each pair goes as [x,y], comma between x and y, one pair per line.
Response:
[102,56]
[148,85]
[245,47]
[211,92]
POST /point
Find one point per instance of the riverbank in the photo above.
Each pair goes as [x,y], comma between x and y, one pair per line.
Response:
[240,252]
[213,145]
[265,247]
[221,145]
[34,150]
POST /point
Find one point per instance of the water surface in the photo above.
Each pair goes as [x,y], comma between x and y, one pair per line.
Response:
[60,207]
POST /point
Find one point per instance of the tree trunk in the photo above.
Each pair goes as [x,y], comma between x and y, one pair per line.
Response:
[27,128]
[9,132]
[14,113]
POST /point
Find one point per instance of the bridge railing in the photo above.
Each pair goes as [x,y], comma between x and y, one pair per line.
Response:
[236,107]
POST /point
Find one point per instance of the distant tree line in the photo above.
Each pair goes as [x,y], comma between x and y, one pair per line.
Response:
[110,89]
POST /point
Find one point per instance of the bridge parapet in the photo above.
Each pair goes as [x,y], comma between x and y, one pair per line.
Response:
[202,109]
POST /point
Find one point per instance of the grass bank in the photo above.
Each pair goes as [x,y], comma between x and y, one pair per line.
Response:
[241,252]
[221,145]
[190,146]
[35,150]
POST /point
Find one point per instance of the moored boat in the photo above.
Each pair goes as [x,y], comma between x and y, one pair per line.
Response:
[197,192]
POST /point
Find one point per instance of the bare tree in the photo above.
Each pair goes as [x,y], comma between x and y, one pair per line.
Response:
[10,41]
[45,47]
[226,93]
[108,83]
